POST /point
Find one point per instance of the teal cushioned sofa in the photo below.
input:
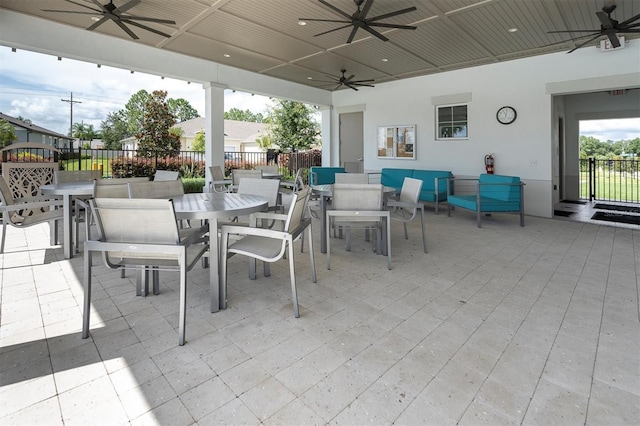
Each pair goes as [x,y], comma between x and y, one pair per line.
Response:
[324,175]
[493,194]
[434,182]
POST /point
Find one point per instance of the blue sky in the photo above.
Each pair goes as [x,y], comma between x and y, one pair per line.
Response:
[32,86]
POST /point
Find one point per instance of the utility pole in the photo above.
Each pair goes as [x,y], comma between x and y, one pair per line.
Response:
[71,102]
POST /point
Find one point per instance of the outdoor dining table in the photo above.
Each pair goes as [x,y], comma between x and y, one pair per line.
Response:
[211,207]
[68,190]
[325,192]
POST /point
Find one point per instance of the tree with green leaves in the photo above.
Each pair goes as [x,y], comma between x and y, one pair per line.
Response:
[199,142]
[292,125]
[7,133]
[84,132]
[182,110]
[134,110]
[246,115]
[157,121]
[114,130]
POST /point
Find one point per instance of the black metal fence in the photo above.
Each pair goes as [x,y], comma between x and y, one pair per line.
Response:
[611,180]
[127,163]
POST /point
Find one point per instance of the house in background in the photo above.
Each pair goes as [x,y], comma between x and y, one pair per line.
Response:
[29,132]
[239,136]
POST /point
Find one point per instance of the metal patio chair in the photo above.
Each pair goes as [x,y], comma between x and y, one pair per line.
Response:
[406,208]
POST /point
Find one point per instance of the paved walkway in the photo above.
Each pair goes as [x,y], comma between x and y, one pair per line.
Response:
[499,325]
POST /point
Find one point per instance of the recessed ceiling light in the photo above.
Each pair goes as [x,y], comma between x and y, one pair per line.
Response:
[309,78]
[226,55]
[385,60]
[512,30]
[303,23]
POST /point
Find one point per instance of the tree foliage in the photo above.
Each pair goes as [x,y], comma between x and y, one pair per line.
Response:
[155,137]
[593,147]
[292,125]
[84,132]
[199,142]
[246,115]
[114,130]
[7,133]
[182,110]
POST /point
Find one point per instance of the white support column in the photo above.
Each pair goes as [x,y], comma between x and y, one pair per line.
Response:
[214,126]
[327,149]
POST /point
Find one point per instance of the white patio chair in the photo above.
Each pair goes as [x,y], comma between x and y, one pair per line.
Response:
[268,245]
[237,174]
[361,206]
[271,169]
[218,182]
[162,175]
[28,211]
[290,187]
[150,239]
[155,189]
[352,178]
[406,207]
[80,204]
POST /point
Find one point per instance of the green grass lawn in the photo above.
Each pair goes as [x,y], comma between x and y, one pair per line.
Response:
[88,164]
[613,186]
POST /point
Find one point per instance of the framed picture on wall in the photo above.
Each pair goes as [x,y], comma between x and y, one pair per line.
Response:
[397,142]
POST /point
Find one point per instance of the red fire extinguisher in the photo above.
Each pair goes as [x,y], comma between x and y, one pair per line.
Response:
[488,163]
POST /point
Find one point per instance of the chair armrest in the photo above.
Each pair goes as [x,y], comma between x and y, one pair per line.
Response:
[198,235]
[396,203]
[35,205]
[248,230]
[267,215]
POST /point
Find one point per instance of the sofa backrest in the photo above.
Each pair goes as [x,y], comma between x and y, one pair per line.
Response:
[500,187]
[428,177]
[394,177]
[324,175]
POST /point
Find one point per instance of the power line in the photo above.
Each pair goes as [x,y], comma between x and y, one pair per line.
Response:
[71,102]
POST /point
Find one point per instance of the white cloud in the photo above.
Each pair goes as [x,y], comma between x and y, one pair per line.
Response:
[32,86]
[612,129]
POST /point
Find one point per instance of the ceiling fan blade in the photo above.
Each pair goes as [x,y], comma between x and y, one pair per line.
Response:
[389,15]
[629,21]
[327,81]
[365,10]
[630,31]
[401,27]
[324,20]
[330,31]
[71,11]
[338,86]
[126,29]
[144,27]
[375,33]
[582,44]
[128,5]
[335,9]
[363,85]
[144,18]
[613,39]
[574,31]
[98,23]
[362,81]
[348,80]
[353,34]
[605,20]
[350,86]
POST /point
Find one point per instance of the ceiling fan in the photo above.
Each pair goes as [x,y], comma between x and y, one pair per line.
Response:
[359,19]
[347,81]
[116,14]
[608,27]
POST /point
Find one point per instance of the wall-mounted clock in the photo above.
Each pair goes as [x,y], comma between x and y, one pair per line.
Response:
[506,115]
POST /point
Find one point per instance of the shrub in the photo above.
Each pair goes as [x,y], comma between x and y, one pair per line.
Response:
[192,185]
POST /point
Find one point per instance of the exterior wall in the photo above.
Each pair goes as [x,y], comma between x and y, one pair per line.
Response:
[526,148]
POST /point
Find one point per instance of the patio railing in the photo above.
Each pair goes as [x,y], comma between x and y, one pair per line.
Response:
[611,180]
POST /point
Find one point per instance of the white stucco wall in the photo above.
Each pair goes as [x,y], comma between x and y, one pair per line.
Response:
[526,148]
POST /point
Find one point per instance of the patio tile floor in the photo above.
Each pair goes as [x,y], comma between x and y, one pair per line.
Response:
[499,325]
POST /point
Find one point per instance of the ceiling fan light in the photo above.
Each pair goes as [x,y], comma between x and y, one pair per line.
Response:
[384,60]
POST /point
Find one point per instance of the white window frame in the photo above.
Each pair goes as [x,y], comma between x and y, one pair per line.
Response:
[452,123]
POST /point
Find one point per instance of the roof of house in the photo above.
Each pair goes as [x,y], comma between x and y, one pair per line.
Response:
[238,130]
[32,127]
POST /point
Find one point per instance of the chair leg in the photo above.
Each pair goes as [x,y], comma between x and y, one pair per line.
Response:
[292,273]
[406,234]
[424,232]
[312,256]
[4,231]
[87,294]
[156,280]
[182,325]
